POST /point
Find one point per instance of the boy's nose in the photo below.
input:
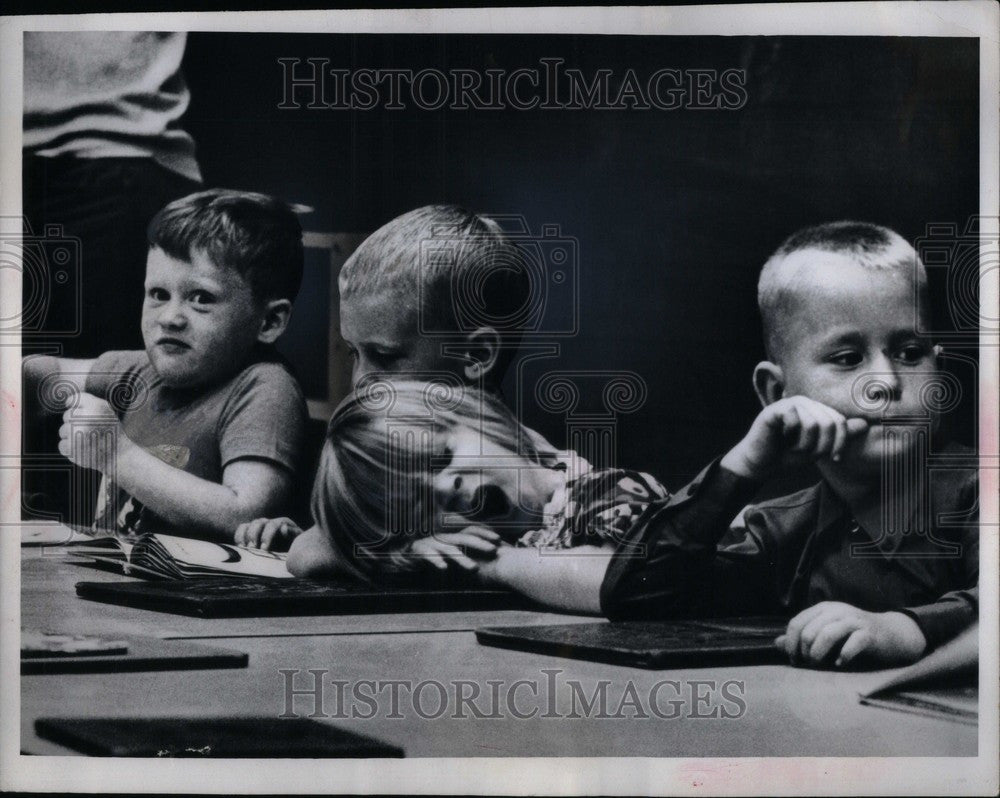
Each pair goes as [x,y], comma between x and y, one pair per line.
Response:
[171,316]
[361,370]
[886,382]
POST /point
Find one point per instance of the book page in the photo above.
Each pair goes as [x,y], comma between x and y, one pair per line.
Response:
[200,557]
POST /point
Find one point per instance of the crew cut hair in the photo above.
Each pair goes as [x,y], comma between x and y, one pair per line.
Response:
[459,268]
[870,246]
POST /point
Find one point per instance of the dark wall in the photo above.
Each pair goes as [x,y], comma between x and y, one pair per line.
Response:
[673,211]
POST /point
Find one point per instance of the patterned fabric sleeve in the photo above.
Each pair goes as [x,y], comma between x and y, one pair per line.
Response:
[600,507]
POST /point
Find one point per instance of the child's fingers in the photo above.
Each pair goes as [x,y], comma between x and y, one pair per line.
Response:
[483,532]
[828,638]
[826,421]
[440,554]
[855,426]
[240,535]
[789,422]
[434,559]
[859,641]
[272,529]
[795,627]
[459,557]
[839,437]
[811,631]
[65,446]
[252,532]
[808,430]
[836,426]
[473,542]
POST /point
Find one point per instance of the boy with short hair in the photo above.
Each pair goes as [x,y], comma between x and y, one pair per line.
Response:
[204,428]
[845,380]
[434,293]
[847,376]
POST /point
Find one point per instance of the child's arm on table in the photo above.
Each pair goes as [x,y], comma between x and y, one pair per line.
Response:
[683,571]
[447,548]
[250,488]
[888,638]
[312,556]
[564,579]
[797,430]
[671,565]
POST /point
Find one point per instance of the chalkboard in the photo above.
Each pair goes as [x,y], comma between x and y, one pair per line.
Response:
[224,597]
[650,644]
[211,737]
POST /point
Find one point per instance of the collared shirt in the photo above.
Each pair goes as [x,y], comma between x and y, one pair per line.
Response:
[793,552]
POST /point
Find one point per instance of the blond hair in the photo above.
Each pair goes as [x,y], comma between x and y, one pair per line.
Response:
[372,494]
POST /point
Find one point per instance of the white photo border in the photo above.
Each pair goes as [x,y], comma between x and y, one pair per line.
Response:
[751,776]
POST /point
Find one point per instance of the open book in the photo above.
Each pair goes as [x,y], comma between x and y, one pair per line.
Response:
[156,556]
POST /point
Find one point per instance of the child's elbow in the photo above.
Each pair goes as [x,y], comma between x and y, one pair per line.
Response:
[311,556]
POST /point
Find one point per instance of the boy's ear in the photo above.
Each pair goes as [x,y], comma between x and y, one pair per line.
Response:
[768,382]
[482,350]
[277,313]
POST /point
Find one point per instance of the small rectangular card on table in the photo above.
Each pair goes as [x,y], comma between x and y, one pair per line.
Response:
[47,653]
[48,645]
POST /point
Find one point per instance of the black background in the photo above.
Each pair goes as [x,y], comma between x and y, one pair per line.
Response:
[674,211]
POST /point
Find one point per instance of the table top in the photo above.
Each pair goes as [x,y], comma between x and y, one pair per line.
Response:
[421,681]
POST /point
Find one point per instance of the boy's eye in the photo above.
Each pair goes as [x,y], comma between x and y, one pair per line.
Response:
[352,353]
[158,295]
[912,353]
[442,459]
[848,357]
[384,359]
[202,298]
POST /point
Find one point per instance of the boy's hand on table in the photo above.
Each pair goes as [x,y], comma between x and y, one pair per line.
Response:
[465,549]
[91,436]
[790,432]
[264,533]
[832,628]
